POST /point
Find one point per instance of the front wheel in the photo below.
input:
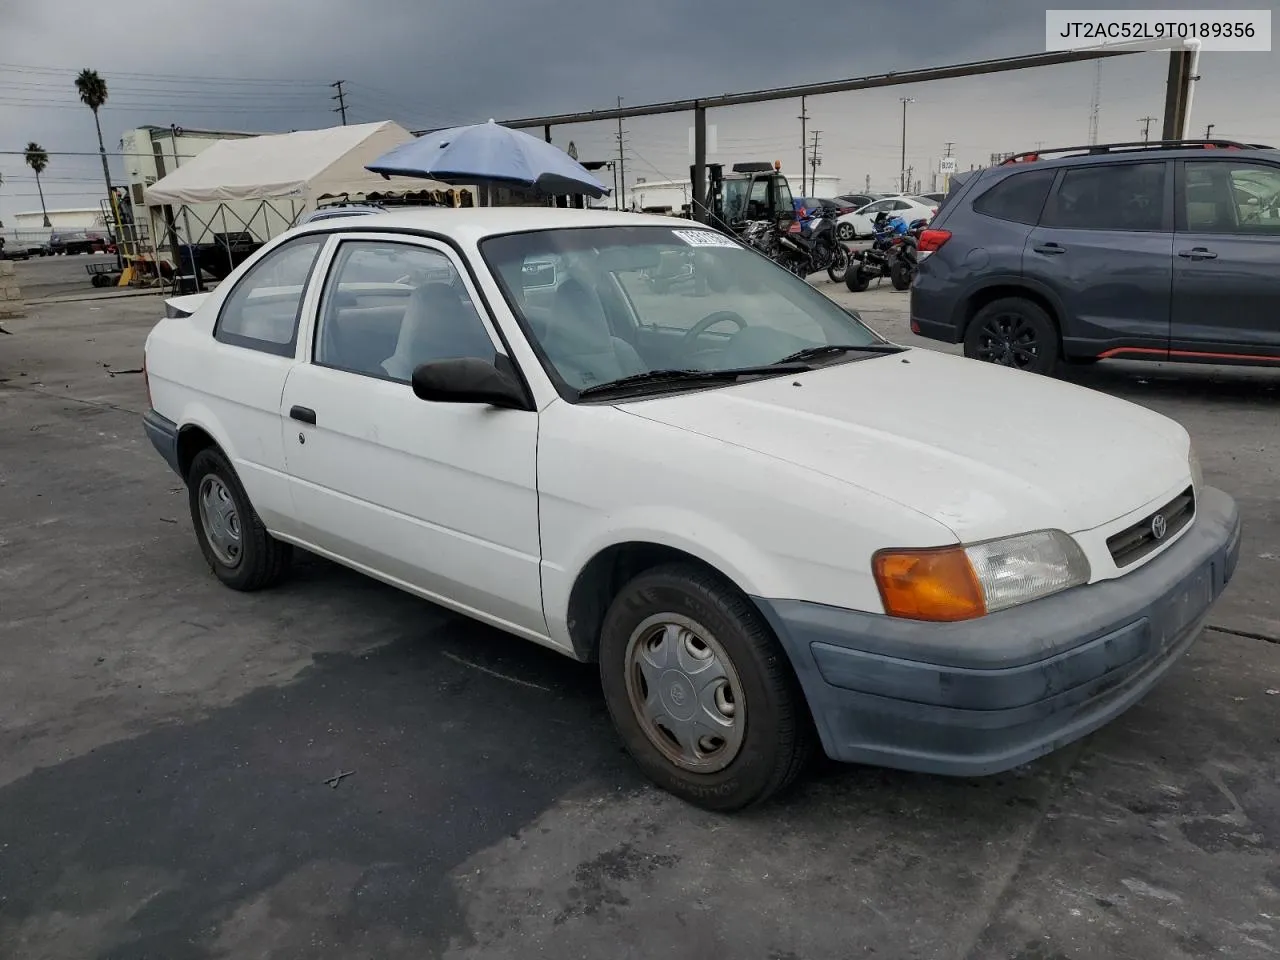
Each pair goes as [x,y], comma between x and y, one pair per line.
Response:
[700,691]
[1013,332]
[839,264]
[232,538]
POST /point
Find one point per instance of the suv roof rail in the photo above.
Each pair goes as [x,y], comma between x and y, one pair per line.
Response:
[1135,146]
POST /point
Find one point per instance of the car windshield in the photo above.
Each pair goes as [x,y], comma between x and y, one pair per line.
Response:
[607,303]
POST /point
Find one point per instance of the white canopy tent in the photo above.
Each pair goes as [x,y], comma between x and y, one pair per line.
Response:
[242,192]
[302,167]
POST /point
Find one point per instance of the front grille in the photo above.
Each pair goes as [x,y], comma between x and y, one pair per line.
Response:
[1135,542]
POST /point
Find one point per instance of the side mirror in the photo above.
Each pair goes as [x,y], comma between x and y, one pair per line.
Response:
[467,380]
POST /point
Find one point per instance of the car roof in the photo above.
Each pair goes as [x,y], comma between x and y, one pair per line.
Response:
[1131,151]
[472,224]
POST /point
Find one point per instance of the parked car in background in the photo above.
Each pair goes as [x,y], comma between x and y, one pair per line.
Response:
[77,242]
[859,200]
[701,488]
[1146,251]
[935,198]
[861,223]
[341,210]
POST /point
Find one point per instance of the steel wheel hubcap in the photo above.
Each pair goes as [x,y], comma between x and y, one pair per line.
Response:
[685,692]
[1009,340]
[220,520]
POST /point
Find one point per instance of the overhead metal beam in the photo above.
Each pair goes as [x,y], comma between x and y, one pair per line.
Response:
[977,68]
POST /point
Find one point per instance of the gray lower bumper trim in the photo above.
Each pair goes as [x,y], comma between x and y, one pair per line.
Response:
[988,694]
[163,434]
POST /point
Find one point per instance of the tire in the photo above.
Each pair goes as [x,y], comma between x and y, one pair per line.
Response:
[856,279]
[901,275]
[768,738]
[839,264]
[844,231]
[260,560]
[1013,332]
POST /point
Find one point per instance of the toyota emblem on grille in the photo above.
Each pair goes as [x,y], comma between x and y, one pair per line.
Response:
[1159,526]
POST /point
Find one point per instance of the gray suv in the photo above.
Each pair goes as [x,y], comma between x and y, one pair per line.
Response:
[1148,251]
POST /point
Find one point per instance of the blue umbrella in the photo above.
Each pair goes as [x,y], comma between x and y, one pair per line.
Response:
[489,153]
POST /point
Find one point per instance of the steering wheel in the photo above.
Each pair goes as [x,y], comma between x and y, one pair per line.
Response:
[709,321]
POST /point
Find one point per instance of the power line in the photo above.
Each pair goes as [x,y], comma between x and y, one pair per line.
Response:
[167,77]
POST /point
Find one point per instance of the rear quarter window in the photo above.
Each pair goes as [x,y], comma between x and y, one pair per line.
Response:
[1018,198]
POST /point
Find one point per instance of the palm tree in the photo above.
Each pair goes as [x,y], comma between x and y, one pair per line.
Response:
[93,94]
[37,160]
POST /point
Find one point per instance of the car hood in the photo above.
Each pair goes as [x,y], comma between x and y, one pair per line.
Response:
[985,450]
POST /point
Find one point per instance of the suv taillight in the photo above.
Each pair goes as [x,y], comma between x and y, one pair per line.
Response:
[930,240]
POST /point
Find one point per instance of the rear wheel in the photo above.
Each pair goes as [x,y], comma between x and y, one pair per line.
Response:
[232,538]
[700,690]
[1013,332]
[856,278]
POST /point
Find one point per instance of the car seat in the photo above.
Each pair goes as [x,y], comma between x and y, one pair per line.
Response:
[437,325]
[579,342]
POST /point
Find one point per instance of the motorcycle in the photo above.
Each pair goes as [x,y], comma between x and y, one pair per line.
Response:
[877,261]
[903,259]
[810,245]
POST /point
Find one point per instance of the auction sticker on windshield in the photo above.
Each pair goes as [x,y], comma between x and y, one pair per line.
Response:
[705,238]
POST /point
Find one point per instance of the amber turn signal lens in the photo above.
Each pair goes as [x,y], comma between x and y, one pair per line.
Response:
[938,585]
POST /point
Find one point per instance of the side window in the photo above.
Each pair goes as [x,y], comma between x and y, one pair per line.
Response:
[901,205]
[785,198]
[261,313]
[758,199]
[1109,196]
[1018,198]
[874,208]
[1226,197]
[388,307]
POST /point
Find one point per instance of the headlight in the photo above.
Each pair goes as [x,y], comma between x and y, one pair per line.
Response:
[1197,477]
[963,582]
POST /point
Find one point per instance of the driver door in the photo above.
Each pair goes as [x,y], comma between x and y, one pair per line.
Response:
[1226,264]
[440,498]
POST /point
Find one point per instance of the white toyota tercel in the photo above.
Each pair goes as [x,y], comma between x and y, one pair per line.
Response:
[638,442]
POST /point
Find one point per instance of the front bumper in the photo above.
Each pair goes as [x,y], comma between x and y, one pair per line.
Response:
[982,696]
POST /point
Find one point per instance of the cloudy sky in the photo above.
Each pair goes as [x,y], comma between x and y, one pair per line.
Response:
[266,65]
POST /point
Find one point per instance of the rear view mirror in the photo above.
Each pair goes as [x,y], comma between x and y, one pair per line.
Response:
[468,380]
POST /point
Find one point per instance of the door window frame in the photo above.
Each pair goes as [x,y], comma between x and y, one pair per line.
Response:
[288,349]
[1167,200]
[308,338]
[1180,197]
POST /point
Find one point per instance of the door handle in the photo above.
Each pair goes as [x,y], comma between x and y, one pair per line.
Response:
[1049,247]
[305,414]
[1197,253]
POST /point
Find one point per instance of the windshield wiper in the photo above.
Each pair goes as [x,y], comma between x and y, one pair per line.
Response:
[677,376]
[832,349]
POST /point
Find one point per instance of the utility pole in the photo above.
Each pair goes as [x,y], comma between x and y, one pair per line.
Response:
[866,187]
[907,179]
[622,162]
[803,118]
[1096,103]
[1146,127]
[815,161]
[902,167]
[1208,131]
[341,108]
[946,176]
